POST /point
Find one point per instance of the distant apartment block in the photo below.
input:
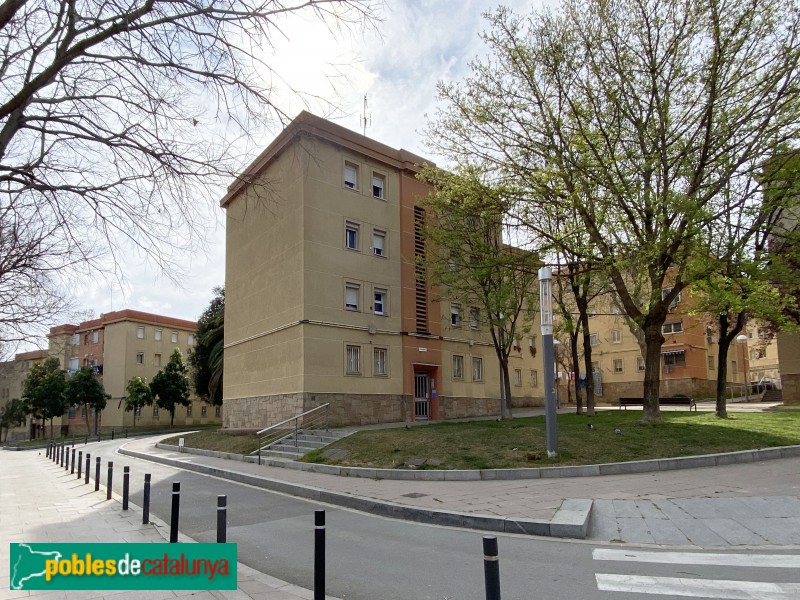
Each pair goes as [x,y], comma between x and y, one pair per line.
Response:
[13,374]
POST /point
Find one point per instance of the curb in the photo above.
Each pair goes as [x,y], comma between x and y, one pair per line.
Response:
[622,468]
[571,520]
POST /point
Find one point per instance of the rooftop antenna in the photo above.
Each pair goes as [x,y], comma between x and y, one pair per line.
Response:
[366,119]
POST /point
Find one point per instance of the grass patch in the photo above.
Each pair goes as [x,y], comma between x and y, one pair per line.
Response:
[521,442]
[216,440]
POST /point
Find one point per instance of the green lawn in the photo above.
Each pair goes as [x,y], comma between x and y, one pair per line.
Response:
[521,442]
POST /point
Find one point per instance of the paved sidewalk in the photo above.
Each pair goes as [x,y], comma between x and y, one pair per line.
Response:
[41,502]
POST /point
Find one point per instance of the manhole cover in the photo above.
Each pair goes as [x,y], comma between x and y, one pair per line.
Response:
[414,495]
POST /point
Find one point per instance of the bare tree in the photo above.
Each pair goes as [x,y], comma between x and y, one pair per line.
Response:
[118,122]
[637,114]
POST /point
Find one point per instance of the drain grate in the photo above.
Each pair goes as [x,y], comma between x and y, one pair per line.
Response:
[414,495]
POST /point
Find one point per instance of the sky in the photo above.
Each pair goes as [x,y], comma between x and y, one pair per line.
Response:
[417,44]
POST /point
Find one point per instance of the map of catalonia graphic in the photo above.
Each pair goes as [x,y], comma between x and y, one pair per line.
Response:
[29,564]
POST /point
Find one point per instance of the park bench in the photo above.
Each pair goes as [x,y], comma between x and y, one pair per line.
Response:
[665,401]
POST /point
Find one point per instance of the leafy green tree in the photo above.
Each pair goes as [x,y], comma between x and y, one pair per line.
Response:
[138,395]
[13,414]
[470,262]
[85,389]
[206,358]
[648,118]
[170,386]
[43,390]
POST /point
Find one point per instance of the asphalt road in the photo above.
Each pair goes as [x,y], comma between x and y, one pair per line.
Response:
[370,558]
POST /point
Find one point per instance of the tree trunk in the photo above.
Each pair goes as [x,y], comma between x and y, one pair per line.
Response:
[725,339]
[587,362]
[172,416]
[51,428]
[651,412]
[576,368]
[86,417]
[505,404]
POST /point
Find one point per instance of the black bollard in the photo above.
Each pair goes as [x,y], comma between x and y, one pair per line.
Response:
[491,567]
[80,463]
[61,454]
[66,458]
[72,470]
[97,474]
[319,555]
[126,477]
[110,478]
[174,516]
[112,434]
[47,454]
[86,439]
[222,519]
[146,500]
[88,467]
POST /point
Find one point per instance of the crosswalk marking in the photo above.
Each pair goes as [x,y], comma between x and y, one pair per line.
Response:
[783,561]
[705,588]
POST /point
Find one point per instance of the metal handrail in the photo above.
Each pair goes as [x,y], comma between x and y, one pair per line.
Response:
[290,419]
[281,430]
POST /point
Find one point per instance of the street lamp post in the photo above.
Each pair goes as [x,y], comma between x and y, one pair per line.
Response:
[546,304]
[741,341]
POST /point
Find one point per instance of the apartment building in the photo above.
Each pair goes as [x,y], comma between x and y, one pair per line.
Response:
[13,374]
[326,298]
[689,354]
[121,345]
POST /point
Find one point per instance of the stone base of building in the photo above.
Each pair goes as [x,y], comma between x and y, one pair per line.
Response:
[694,388]
[249,414]
[790,388]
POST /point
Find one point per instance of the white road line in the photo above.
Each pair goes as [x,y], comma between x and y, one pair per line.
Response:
[783,561]
[699,588]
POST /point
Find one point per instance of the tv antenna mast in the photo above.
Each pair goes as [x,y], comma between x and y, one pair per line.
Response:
[366,119]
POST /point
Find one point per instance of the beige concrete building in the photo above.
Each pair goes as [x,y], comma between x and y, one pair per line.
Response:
[121,345]
[13,374]
[325,298]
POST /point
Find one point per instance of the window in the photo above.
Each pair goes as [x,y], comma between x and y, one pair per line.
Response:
[711,363]
[95,337]
[379,366]
[639,363]
[757,353]
[675,359]
[352,291]
[157,335]
[378,186]
[617,365]
[351,236]
[380,306]
[204,411]
[73,364]
[675,301]
[477,369]
[190,339]
[137,411]
[532,342]
[616,336]
[174,337]
[75,340]
[140,332]
[379,243]
[217,411]
[140,358]
[86,339]
[157,360]
[474,317]
[155,410]
[676,327]
[83,411]
[594,340]
[73,411]
[350,176]
[458,366]
[189,411]
[534,378]
[353,360]
[455,315]
[517,376]
[734,367]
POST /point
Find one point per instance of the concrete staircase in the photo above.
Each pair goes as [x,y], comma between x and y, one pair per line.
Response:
[772,396]
[292,448]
